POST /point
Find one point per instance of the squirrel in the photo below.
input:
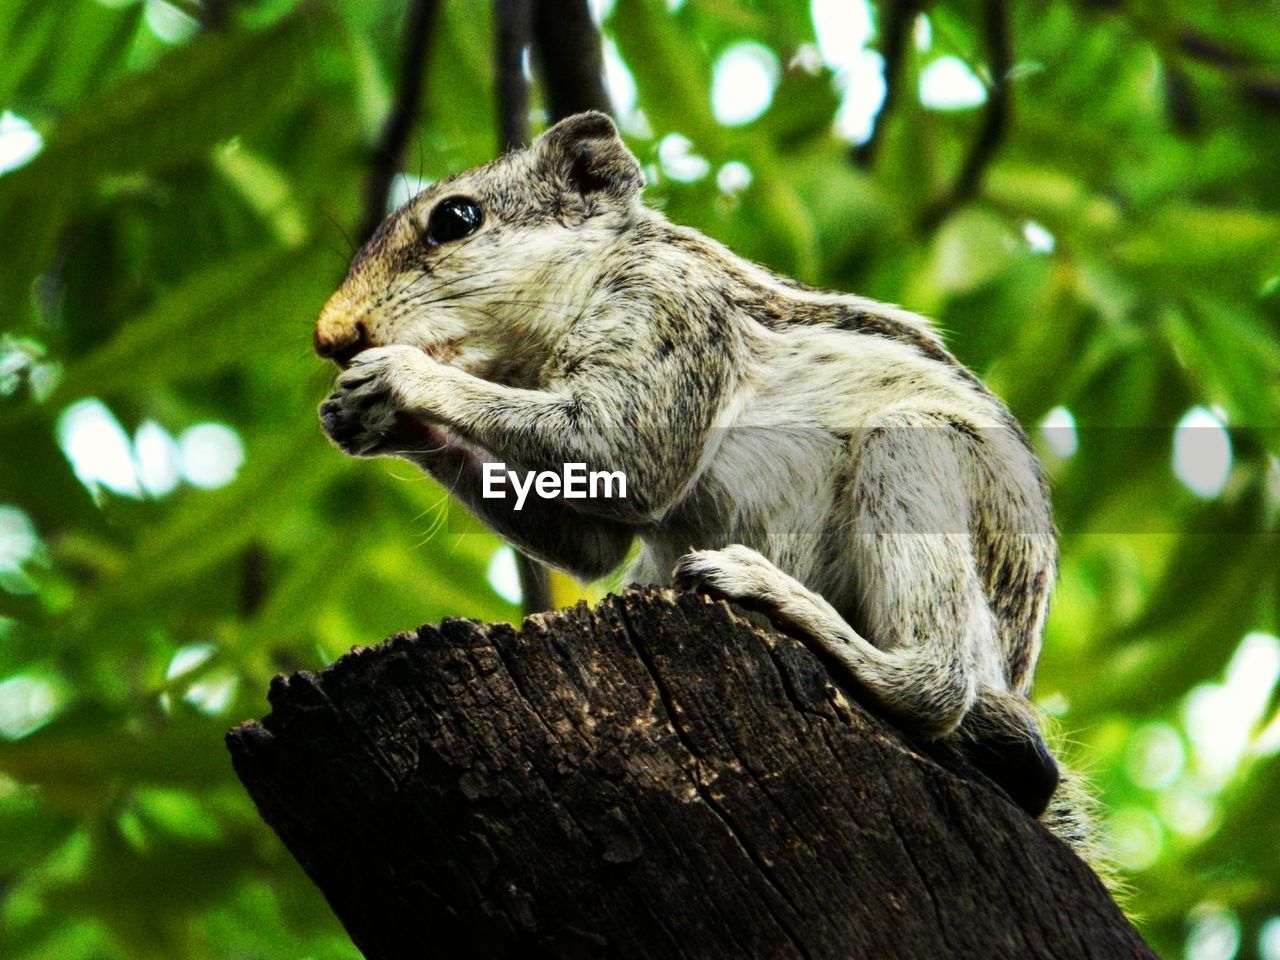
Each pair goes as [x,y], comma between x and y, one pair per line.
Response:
[818,458]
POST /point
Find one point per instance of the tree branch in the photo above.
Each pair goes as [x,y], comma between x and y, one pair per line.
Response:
[654,778]
[897,20]
[535,585]
[217,13]
[572,67]
[405,109]
[197,11]
[1258,89]
[514,37]
[995,116]
[1180,99]
[568,47]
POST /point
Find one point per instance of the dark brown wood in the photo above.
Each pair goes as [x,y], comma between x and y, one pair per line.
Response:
[654,778]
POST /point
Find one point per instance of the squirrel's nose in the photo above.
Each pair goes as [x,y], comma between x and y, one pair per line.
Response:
[338,337]
[341,347]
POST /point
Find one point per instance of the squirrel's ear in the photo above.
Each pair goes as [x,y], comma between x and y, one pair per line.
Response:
[587,152]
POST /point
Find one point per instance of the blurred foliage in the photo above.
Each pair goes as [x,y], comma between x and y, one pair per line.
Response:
[168,247]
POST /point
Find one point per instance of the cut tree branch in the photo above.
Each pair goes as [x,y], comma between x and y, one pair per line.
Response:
[406,107]
[995,116]
[651,779]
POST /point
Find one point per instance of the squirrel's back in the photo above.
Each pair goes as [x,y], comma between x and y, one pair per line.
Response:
[819,374]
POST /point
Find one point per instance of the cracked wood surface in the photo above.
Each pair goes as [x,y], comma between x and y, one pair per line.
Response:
[652,778]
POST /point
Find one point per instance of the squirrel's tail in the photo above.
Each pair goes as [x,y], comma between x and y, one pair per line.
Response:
[1073,816]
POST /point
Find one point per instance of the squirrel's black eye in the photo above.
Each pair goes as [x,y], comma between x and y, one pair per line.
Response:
[452,219]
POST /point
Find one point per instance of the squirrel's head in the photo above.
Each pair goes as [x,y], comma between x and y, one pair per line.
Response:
[484,267]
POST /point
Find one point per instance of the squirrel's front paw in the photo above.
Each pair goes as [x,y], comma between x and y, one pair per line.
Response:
[364,417]
[358,429]
[385,375]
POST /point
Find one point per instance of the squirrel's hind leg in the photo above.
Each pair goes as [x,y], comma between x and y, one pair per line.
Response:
[998,734]
[926,697]
[745,577]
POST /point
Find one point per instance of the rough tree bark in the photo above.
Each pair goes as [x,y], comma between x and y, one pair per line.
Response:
[654,778]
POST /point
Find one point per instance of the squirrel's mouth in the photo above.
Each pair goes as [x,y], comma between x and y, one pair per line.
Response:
[445,352]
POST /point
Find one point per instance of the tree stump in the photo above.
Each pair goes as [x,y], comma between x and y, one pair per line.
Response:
[653,778]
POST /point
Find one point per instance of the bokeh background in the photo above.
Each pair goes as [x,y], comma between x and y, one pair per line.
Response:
[1084,194]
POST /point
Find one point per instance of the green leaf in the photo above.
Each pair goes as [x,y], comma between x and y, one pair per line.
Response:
[260,300]
[193,99]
